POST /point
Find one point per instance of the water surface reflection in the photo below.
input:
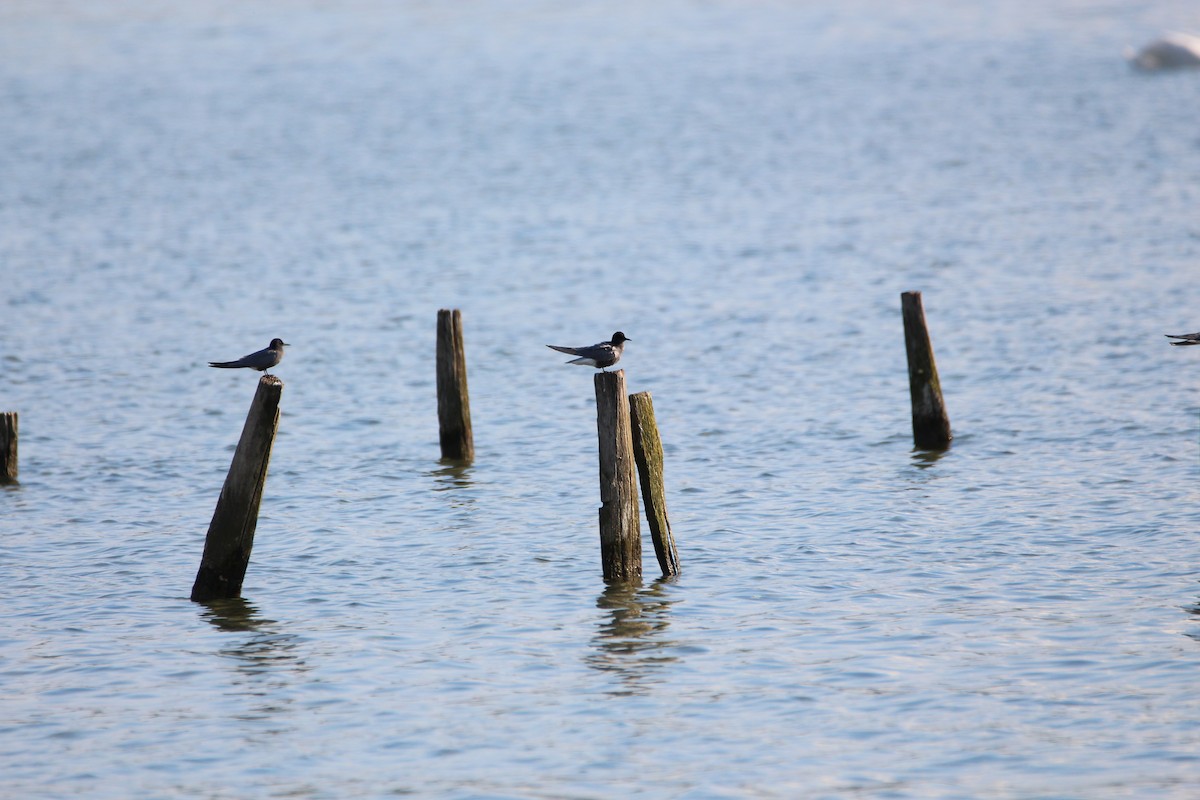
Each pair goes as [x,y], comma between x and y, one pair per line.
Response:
[268,649]
[233,614]
[924,459]
[451,475]
[453,479]
[631,641]
[1194,611]
[266,662]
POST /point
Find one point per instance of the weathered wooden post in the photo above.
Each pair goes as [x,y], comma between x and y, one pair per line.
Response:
[620,528]
[8,447]
[454,409]
[231,532]
[931,425]
[648,453]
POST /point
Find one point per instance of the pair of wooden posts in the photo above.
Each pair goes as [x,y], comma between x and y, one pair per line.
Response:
[629,437]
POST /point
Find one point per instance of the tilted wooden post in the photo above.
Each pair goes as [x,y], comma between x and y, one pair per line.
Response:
[231,532]
[8,447]
[648,452]
[454,409]
[931,425]
[620,528]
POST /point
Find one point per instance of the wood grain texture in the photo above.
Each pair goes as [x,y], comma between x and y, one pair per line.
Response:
[454,407]
[231,533]
[620,526]
[648,453]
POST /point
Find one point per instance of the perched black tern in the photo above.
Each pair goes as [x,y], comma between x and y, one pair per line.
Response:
[262,361]
[1187,338]
[601,355]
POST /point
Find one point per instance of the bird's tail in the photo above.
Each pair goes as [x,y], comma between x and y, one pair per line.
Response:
[235,365]
[1187,338]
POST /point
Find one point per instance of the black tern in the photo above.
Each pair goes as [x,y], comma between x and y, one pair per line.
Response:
[601,355]
[1187,338]
[262,361]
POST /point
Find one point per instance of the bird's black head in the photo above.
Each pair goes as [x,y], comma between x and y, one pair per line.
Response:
[619,337]
[278,343]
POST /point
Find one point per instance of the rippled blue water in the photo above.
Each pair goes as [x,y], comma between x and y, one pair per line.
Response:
[744,189]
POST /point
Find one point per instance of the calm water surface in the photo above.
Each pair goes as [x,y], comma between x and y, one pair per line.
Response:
[744,189]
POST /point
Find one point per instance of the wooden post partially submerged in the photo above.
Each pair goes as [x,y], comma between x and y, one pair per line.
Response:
[648,452]
[931,425]
[8,447]
[231,532]
[454,409]
[620,528]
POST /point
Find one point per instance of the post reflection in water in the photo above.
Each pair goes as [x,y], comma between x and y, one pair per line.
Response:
[451,476]
[265,659]
[631,642]
[233,614]
[924,459]
[1194,611]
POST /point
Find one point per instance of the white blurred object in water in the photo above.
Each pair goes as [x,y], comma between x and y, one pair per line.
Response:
[1172,51]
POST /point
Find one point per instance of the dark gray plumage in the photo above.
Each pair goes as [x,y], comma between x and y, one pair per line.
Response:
[262,361]
[1187,338]
[601,355]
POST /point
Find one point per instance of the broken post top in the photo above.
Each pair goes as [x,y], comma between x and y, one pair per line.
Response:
[610,383]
